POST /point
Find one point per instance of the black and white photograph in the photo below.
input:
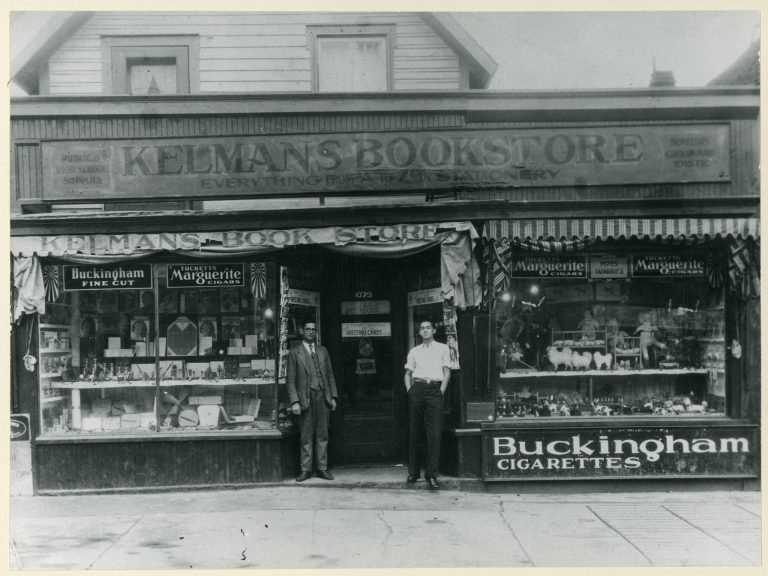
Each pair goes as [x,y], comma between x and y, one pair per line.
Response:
[544,221]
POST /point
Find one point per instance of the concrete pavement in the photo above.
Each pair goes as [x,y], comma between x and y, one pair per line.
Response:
[371,523]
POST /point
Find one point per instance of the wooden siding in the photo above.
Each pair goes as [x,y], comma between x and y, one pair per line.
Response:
[152,463]
[254,52]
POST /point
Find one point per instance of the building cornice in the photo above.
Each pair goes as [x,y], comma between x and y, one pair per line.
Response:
[478,105]
[202,220]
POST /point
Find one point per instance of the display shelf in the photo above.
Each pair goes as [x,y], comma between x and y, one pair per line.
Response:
[55,327]
[60,351]
[98,384]
[604,373]
[47,399]
[575,340]
[50,375]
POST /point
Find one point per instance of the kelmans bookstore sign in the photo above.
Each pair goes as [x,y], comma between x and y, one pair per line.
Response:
[621,452]
[272,165]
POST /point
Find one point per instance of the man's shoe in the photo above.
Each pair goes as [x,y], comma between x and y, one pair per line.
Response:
[433,483]
[411,479]
[303,476]
[324,474]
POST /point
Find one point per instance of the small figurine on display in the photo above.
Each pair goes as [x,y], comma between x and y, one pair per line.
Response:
[588,325]
[646,330]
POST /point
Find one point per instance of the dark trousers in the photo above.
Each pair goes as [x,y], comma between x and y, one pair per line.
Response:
[425,410]
[313,428]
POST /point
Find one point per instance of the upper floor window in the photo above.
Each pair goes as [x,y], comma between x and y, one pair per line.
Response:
[149,65]
[351,58]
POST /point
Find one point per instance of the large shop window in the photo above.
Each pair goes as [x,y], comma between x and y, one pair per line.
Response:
[610,335]
[142,348]
[351,59]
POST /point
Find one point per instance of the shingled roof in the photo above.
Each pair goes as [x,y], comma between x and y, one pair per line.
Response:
[745,71]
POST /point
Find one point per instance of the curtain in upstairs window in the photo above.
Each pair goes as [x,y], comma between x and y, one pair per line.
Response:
[148,78]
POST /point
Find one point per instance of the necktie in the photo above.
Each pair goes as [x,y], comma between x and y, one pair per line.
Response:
[312,349]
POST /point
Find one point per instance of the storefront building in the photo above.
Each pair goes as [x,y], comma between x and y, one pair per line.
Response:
[591,258]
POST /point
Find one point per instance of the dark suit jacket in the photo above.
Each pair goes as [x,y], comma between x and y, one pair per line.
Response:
[299,374]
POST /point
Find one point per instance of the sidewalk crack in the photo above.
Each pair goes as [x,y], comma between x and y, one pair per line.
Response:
[514,535]
[390,531]
[617,531]
[715,538]
[747,510]
[120,537]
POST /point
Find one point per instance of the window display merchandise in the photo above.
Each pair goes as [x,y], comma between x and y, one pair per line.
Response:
[639,343]
[193,349]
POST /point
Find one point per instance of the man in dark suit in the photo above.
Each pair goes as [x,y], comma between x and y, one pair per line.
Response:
[312,393]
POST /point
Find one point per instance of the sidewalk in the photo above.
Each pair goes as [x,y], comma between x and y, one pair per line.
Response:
[372,520]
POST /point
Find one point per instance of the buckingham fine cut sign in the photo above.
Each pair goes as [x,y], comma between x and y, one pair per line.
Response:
[668,266]
[271,165]
[110,277]
[621,452]
[201,275]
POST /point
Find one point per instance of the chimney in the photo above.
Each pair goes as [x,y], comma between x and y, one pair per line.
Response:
[661,78]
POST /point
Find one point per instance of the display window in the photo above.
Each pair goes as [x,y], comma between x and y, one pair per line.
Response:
[135,347]
[610,335]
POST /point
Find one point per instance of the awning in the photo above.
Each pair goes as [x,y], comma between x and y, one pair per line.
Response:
[616,228]
[460,272]
[502,238]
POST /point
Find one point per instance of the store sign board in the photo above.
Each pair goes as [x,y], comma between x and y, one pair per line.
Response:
[205,275]
[366,330]
[621,451]
[20,429]
[107,277]
[605,267]
[363,307]
[545,267]
[273,165]
[425,297]
[303,297]
[234,240]
[668,266]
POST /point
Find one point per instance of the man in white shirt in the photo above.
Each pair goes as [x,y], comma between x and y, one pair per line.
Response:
[427,373]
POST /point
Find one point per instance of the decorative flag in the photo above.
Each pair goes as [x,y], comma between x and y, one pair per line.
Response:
[51,283]
[742,270]
[258,280]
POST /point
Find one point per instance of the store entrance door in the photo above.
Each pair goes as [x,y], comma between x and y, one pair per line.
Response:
[370,336]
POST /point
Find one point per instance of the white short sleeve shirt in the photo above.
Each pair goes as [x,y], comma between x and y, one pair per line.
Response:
[427,362]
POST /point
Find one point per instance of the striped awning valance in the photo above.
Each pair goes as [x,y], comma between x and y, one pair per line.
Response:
[605,228]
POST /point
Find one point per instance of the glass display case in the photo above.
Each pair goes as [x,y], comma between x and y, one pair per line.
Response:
[184,348]
[623,345]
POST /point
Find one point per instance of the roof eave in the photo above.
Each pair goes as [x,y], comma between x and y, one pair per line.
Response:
[480,62]
[24,68]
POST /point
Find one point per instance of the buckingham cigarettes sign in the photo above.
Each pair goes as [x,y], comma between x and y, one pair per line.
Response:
[272,165]
[622,452]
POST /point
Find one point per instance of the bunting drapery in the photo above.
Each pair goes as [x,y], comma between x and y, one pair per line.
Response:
[460,271]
